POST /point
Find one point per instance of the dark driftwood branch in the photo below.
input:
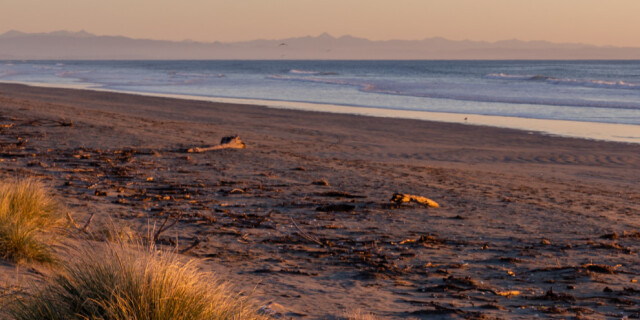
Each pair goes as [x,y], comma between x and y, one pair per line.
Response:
[166,225]
[86,225]
[194,244]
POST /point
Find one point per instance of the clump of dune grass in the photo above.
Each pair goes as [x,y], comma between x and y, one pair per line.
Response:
[114,282]
[29,221]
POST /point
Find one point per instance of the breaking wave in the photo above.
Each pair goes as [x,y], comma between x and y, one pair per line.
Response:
[312,73]
[425,91]
[590,83]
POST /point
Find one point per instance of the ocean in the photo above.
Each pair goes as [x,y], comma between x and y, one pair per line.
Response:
[585,91]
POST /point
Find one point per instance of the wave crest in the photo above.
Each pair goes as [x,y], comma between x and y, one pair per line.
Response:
[311,73]
[424,91]
[591,83]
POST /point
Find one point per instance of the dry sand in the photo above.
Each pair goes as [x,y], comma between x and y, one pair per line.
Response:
[528,224]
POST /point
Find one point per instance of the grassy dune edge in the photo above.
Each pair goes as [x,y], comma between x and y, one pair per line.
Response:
[101,280]
[30,221]
[117,281]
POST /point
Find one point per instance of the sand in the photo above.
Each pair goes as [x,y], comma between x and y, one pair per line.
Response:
[528,224]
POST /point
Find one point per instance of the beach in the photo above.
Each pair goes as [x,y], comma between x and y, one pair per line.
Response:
[528,224]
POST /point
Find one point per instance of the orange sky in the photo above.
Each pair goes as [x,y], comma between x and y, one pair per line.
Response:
[602,22]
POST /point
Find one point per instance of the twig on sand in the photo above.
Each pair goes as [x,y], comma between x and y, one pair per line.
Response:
[194,244]
[85,227]
[72,221]
[306,235]
[164,226]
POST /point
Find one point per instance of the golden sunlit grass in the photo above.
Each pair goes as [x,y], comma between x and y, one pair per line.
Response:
[111,280]
[117,282]
[29,221]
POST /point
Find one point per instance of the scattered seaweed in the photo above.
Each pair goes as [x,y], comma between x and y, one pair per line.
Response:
[339,207]
[550,295]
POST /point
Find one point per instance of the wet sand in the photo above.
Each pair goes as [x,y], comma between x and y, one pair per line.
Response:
[528,224]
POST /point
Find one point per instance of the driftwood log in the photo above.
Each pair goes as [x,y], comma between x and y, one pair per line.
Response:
[230,142]
[399,198]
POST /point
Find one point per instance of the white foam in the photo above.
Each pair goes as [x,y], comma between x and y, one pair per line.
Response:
[592,83]
[596,83]
[295,71]
[503,76]
[315,73]
[495,94]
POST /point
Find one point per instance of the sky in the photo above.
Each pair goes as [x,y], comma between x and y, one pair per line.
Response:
[599,22]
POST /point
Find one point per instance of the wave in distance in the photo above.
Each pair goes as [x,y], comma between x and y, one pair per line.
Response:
[491,93]
[591,83]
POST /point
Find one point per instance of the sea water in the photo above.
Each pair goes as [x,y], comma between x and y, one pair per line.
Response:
[585,91]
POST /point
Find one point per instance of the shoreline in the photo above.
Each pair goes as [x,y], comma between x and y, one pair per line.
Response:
[561,128]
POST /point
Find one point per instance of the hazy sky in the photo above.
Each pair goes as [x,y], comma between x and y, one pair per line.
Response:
[602,22]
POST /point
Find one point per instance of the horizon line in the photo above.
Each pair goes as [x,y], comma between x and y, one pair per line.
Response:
[320,35]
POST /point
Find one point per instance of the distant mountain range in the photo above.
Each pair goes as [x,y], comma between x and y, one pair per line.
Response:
[15,45]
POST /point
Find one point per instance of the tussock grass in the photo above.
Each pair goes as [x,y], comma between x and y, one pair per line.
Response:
[116,282]
[29,221]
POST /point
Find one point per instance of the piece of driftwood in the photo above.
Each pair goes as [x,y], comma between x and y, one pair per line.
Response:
[72,221]
[230,142]
[195,243]
[399,198]
[85,227]
[305,235]
[166,225]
